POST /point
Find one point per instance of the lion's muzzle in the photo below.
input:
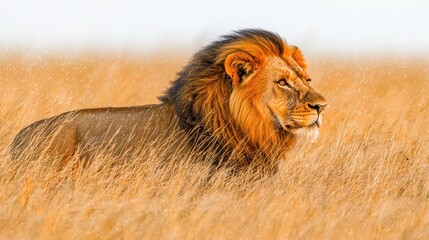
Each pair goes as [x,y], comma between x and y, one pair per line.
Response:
[311,111]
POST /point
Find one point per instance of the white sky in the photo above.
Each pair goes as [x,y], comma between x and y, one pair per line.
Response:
[354,26]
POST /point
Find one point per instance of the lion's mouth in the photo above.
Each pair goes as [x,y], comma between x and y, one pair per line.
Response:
[281,126]
[316,124]
[290,127]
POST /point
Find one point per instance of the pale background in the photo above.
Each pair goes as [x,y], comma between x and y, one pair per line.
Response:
[332,26]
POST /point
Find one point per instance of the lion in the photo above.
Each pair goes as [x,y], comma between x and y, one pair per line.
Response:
[246,97]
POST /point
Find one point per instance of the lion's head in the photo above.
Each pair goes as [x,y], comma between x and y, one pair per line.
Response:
[250,91]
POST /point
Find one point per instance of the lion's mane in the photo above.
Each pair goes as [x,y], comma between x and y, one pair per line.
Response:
[201,96]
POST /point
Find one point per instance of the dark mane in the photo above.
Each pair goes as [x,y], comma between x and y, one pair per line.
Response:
[208,64]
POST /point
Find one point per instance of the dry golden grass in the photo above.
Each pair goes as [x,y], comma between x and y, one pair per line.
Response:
[366,178]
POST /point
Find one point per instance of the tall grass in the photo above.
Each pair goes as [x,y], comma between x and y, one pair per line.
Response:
[366,178]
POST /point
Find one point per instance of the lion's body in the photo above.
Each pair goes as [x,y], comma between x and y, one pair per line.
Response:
[246,96]
[116,130]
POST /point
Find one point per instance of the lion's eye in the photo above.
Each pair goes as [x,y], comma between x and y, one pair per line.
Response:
[282,83]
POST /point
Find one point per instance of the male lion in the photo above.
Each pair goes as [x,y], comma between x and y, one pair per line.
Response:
[245,97]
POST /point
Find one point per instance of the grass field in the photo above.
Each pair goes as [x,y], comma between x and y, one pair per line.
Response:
[366,178]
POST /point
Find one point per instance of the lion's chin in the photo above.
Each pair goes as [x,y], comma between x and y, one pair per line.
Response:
[309,133]
[306,133]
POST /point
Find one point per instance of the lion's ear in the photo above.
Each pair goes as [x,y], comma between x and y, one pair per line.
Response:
[299,57]
[239,65]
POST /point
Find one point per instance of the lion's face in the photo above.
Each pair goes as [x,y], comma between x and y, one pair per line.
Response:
[280,90]
[289,97]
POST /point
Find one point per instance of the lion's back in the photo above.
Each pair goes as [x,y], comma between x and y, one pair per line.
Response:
[116,130]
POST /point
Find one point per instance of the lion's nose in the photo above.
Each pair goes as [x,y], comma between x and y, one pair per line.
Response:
[313,100]
[318,106]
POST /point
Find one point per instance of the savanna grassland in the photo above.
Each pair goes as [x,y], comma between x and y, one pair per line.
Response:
[366,178]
